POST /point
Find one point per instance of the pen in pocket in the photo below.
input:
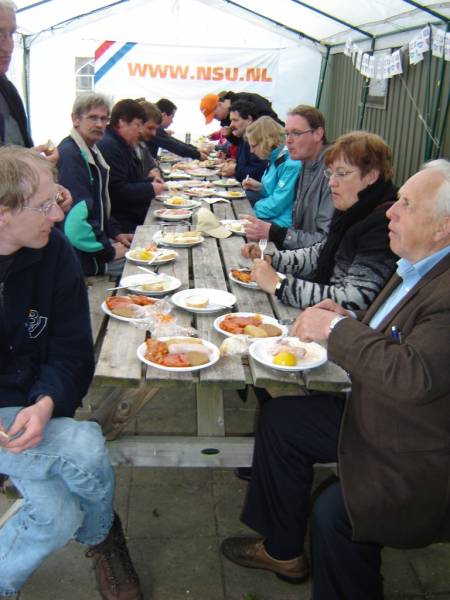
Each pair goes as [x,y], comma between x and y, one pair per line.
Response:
[396,334]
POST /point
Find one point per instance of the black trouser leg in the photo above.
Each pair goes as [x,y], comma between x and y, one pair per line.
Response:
[293,434]
[342,569]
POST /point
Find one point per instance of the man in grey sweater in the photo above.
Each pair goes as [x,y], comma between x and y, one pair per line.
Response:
[313,208]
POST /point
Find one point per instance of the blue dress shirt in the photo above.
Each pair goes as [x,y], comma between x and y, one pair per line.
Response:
[411,274]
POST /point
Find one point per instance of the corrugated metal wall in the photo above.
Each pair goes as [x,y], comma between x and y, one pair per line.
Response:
[399,124]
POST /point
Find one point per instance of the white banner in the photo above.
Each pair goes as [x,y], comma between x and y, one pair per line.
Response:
[183,73]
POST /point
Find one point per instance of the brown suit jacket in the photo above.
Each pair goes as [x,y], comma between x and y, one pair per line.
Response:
[394,444]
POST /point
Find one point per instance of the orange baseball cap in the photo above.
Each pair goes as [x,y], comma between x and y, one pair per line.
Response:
[208,105]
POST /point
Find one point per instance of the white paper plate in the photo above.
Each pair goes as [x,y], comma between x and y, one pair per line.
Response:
[253,285]
[232,225]
[200,192]
[106,310]
[200,172]
[178,175]
[134,283]
[227,182]
[159,261]
[215,355]
[316,355]
[189,204]
[265,319]
[170,214]
[158,239]
[233,195]
[217,299]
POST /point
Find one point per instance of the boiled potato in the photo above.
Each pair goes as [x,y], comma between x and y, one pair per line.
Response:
[254,331]
[196,358]
[271,330]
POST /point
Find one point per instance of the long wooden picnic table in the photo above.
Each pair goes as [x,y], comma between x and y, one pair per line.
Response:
[203,266]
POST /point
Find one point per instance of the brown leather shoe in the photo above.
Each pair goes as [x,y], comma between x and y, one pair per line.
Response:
[116,577]
[250,552]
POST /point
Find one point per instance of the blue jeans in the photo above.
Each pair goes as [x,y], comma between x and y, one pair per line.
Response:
[67,483]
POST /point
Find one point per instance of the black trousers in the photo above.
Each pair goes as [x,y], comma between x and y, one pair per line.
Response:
[293,434]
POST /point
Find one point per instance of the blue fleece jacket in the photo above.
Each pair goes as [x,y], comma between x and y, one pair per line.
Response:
[278,191]
[46,341]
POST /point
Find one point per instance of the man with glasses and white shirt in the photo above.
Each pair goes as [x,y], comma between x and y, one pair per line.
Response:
[313,208]
[59,465]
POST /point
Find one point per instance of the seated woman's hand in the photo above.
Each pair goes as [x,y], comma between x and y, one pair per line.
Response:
[251,184]
[265,276]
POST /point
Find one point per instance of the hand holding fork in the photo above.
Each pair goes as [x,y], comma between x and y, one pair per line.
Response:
[262,246]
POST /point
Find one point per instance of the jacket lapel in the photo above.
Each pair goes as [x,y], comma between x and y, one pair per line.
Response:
[442,265]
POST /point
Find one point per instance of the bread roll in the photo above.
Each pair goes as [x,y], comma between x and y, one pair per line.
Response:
[197,301]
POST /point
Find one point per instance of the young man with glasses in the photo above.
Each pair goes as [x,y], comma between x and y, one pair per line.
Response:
[313,208]
[59,465]
[83,170]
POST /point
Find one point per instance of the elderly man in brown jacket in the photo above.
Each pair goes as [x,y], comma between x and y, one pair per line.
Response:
[391,437]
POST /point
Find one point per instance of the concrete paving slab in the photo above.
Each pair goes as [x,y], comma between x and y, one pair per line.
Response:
[399,576]
[179,568]
[182,507]
[432,566]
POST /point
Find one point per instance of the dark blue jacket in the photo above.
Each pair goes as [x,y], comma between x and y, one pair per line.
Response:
[88,225]
[129,190]
[248,163]
[163,140]
[14,101]
[45,332]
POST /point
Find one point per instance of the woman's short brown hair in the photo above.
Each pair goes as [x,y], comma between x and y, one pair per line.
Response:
[266,132]
[364,150]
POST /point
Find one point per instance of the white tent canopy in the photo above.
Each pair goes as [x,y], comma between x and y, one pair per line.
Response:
[57,32]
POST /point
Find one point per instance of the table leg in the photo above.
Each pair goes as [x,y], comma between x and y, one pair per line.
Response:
[210,413]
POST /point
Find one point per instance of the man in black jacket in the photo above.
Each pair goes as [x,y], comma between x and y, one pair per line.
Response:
[59,465]
[164,139]
[131,191]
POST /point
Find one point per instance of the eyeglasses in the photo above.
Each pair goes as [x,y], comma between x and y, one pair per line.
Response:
[338,174]
[296,134]
[47,207]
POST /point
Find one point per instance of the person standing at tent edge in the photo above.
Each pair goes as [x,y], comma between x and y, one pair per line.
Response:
[14,128]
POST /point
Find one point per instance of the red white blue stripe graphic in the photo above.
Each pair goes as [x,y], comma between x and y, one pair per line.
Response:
[107,55]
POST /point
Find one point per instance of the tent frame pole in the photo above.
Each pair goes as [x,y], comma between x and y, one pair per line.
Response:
[366,84]
[437,105]
[323,71]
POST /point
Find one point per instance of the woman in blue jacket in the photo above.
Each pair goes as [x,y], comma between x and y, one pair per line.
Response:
[278,184]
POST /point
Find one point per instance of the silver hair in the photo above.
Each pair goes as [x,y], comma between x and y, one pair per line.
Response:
[8,5]
[85,102]
[442,167]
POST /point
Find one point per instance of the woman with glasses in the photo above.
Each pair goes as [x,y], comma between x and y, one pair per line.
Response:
[353,263]
[266,139]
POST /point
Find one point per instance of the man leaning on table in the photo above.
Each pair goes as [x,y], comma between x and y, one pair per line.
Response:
[131,189]
[96,237]
[391,437]
[59,465]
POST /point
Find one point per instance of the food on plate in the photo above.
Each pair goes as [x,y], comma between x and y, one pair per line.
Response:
[155,286]
[173,212]
[254,331]
[189,237]
[178,201]
[199,192]
[182,352]
[128,306]
[140,253]
[237,226]
[252,326]
[285,359]
[197,301]
[235,194]
[242,275]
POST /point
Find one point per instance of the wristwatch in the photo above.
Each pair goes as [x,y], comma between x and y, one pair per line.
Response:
[335,321]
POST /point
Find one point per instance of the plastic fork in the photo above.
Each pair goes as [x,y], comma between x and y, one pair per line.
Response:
[262,246]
